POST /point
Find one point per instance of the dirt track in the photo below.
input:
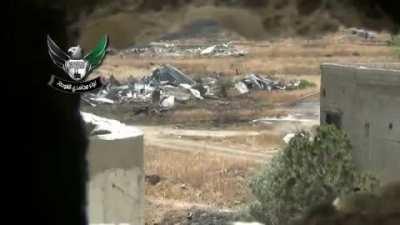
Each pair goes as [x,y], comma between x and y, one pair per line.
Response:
[161,137]
[199,140]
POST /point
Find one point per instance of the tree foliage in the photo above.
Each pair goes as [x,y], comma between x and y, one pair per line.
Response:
[308,171]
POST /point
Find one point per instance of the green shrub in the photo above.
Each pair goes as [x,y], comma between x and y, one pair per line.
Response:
[308,171]
[225,83]
[302,85]
[305,84]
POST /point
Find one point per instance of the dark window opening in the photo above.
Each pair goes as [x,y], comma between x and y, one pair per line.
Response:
[334,118]
[323,92]
[390,126]
[367,129]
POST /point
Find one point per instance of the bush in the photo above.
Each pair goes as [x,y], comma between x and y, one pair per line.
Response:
[308,171]
[302,85]
[306,84]
[225,83]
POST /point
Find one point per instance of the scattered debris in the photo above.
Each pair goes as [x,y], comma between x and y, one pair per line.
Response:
[209,86]
[167,102]
[365,34]
[193,91]
[167,74]
[289,118]
[241,87]
[180,94]
[208,50]
[170,49]
[225,49]
[167,85]
[257,82]
[254,81]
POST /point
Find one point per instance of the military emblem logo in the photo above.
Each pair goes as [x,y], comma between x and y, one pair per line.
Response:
[77,66]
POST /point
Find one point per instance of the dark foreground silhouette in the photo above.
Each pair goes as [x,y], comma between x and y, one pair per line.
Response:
[59,142]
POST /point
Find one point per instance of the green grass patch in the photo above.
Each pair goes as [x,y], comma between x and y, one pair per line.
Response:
[306,84]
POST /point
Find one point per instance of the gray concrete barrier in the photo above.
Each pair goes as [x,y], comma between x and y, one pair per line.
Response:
[116,186]
[365,102]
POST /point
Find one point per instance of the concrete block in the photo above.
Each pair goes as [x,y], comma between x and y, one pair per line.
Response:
[116,186]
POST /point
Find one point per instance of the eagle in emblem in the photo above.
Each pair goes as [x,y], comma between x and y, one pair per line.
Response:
[74,63]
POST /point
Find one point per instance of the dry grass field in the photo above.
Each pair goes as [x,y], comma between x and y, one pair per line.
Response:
[198,177]
[287,57]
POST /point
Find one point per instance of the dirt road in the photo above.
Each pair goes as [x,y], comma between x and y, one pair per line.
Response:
[178,140]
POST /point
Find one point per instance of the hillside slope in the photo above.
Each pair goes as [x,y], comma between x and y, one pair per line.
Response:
[136,21]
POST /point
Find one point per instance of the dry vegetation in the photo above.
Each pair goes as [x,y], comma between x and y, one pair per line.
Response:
[198,177]
[252,143]
[289,57]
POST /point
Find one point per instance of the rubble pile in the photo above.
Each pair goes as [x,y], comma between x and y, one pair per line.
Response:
[174,50]
[167,86]
[209,87]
